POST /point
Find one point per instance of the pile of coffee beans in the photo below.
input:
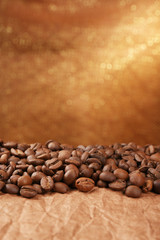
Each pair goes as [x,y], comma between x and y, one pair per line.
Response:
[31,169]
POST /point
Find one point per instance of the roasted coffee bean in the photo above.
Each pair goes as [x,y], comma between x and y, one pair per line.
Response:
[4,159]
[11,188]
[73,160]
[47,171]
[28,191]
[155,157]
[72,166]
[54,146]
[137,179]
[29,152]
[121,174]
[84,157]
[47,183]
[13,159]
[44,156]
[64,154]
[123,165]
[38,188]
[38,168]
[94,166]
[53,163]
[30,169]
[35,146]
[3,175]
[23,146]
[131,169]
[10,145]
[156,186]
[23,167]
[87,172]
[1,185]
[93,160]
[56,165]
[133,191]
[58,176]
[117,185]
[107,176]
[18,172]
[17,152]
[84,184]
[101,184]
[14,178]
[107,168]
[61,187]
[35,161]
[70,176]
[37,176]
[95,176]
[24,180]
[148,185]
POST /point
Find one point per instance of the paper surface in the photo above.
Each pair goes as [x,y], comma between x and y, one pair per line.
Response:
[100,214]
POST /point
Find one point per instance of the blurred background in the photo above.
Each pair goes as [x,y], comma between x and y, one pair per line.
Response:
[80,71]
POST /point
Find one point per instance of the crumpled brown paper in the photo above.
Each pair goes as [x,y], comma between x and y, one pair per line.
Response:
[100,214]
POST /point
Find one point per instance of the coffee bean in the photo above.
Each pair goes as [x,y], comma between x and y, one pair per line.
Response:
[70,176]
[148,185]
[14,179]
[28,191]
[35,161]
[73,160]
[72,166]
[47,183]
[123,165]
[53,163]
[38,188]
[47,171]
[23,146]
[24,180]
[137,179]
[10,145]
[17,152]
[43,156]
[37,176]
[61,187]
[101,184]
[133,191]
[107,176]
[93,160]
[156,186]
[155,157]
[87,172]
[38,168]
[84,156]
[3,175]
[117,185]
[18,172]
[1,185]
[30,169]
[58,176]
[64,154]
[84,184]
[121,174]
[95,166]
[4,159]
[11,188]
[54,146]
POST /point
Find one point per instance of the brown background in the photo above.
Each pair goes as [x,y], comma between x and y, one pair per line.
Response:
[80,71]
